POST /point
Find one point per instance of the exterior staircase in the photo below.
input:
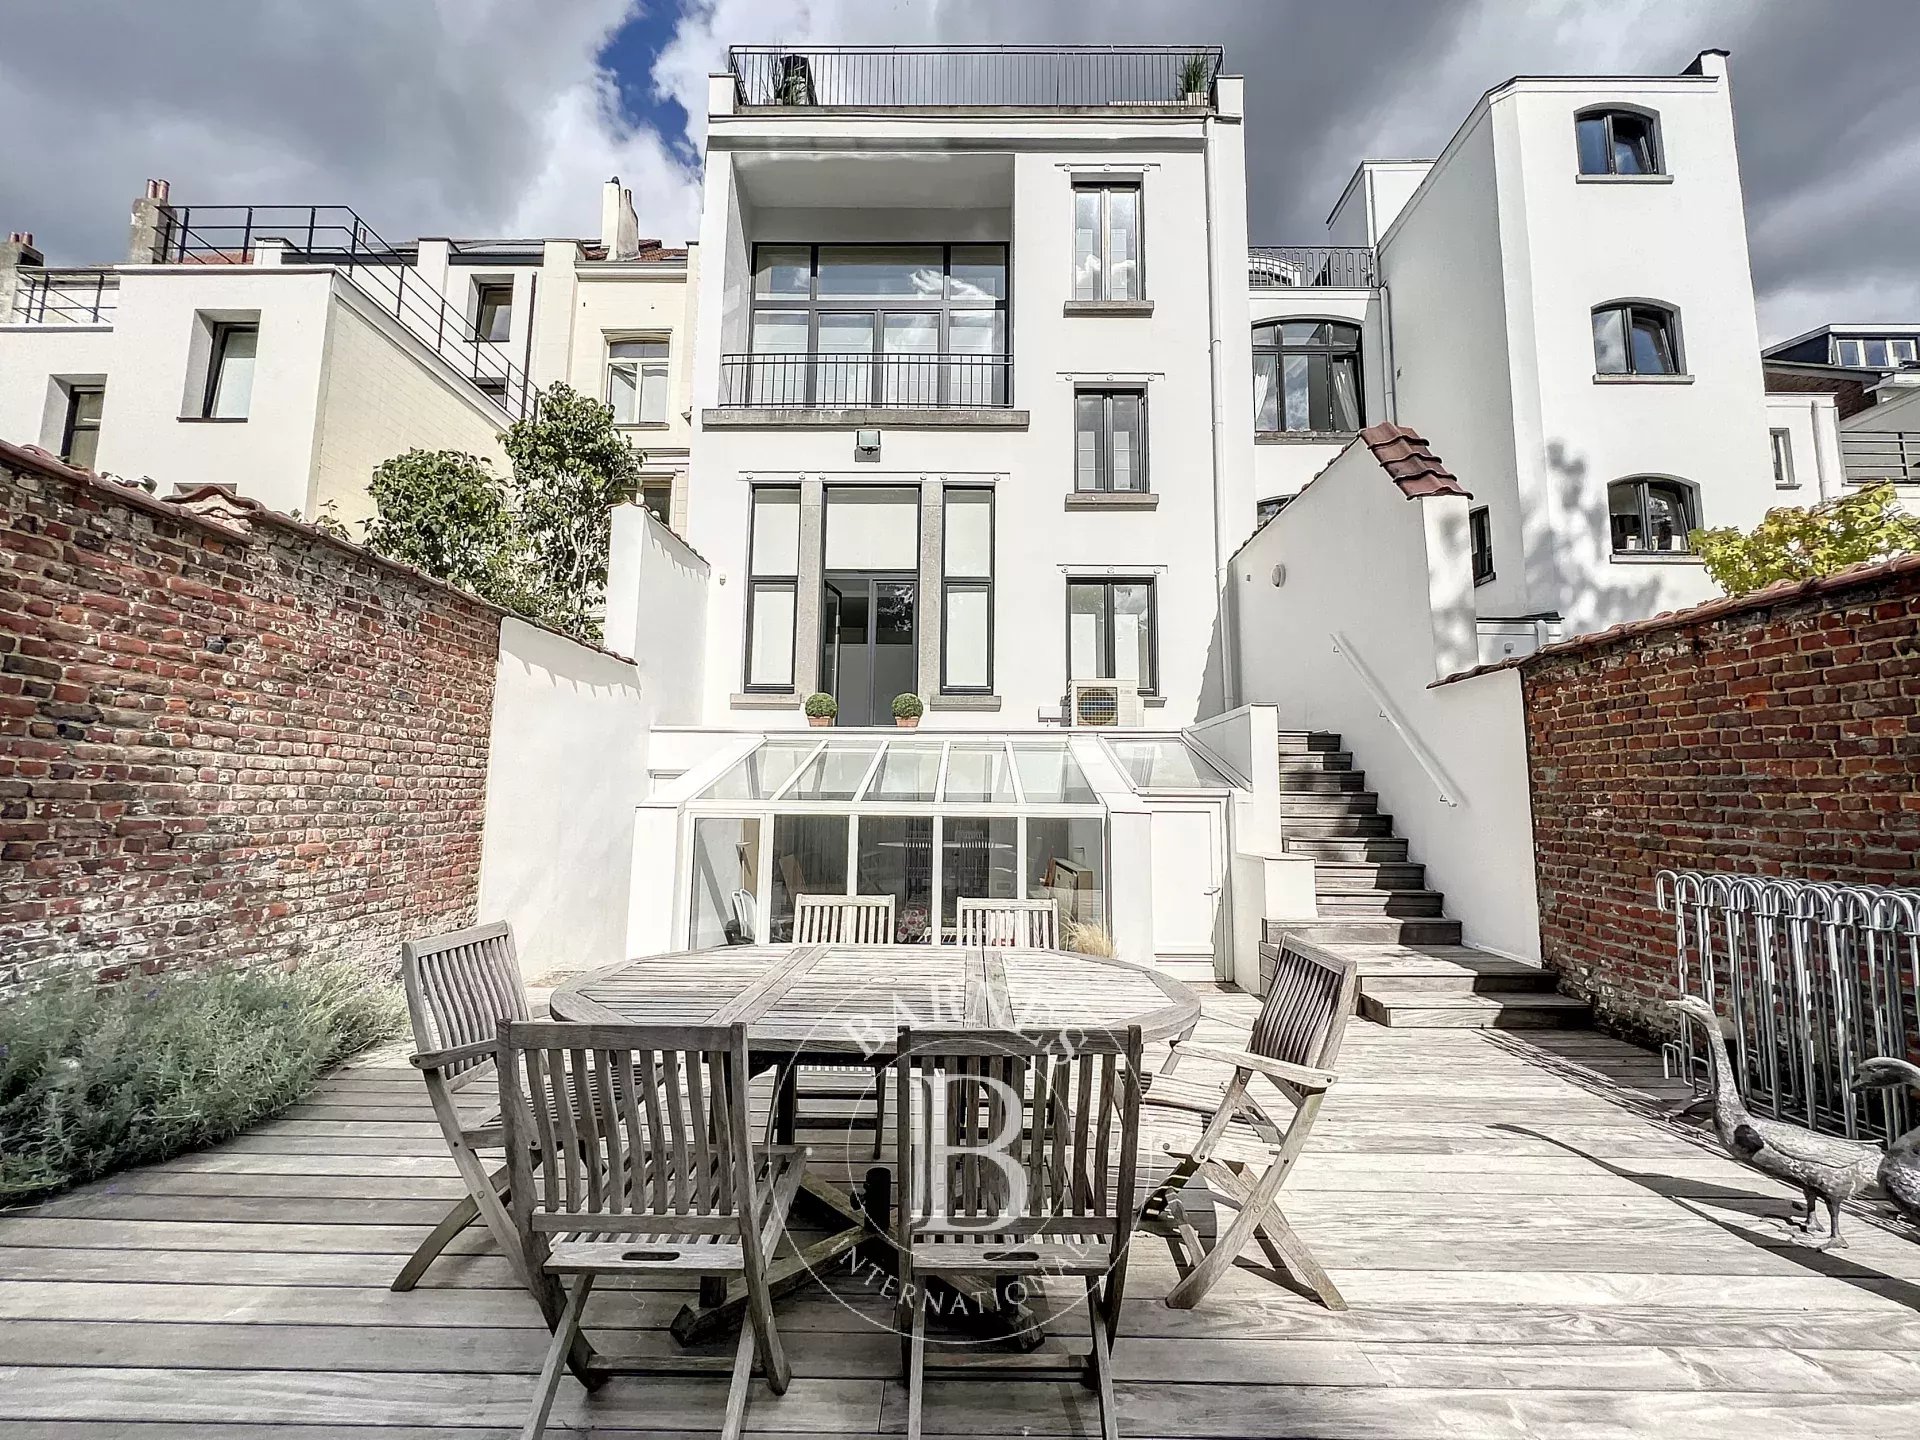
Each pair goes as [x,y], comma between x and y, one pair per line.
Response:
[1375,908]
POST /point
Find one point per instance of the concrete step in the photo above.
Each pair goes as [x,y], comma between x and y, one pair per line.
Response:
[1321,782]
[1310,761]
[1338,904]
[1338,849]
[1354,828]
[1359,802]
[1411,1007]
[1300,742]
[1447,969]
[1330,876]
[1362,931]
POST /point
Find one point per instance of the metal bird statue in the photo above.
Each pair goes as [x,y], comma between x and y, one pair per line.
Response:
[1836,1170]
[1900,1169]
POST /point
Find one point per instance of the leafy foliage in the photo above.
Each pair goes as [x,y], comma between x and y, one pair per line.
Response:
[535,541]
[822,706]
[95,1079]
[908,706]
[1803,543]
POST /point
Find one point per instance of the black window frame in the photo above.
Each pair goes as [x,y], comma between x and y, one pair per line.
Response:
[1689,496]
[972,584]
[218,341]
[1322,353]
[1105,187]
[1103,458]
[771,582]
[1780,442]
[1151,684]
[1632,313]
[488,293]
[1607,115]
[74,425]
[944,306]
[1480,541]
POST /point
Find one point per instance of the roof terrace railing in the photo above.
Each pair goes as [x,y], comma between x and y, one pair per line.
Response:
[1022,77]
[1876,457]
[64,297]
[334,235]
[1320,267]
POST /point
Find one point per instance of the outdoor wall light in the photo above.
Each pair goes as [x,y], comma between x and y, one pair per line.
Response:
[866,442]
[1279,576]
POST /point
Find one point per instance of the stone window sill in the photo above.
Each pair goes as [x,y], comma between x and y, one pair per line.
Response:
[746,418]
[1623,179]
[1655,557]
[1112,500]
[214,419]
[1108,307]
[1304,437]
[964,702]
[765,700]
[1643,379]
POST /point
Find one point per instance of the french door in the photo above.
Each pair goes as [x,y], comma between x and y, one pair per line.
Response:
[869,644]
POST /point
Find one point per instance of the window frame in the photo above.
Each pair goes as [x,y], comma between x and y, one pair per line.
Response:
[657,484]
[1860,343]
[1780,440]
[972,584]
[218,341]
[1325,354]
[771,581]
[1103,456]
[1656,148]
[1480,543]
[1690,500]
[1630,313]
[1104,186]
[640,365]
[878,309]
[1151,681]
[73,425]
[485,293]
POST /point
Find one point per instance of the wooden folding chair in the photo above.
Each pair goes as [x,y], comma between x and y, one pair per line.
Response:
[1033,924]
[1016,1152]
[459,987]
[1243,1153]
[843,920]
[631,1155]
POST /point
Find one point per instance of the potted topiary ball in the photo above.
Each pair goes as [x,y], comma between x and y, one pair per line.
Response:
[907,710]
[821,708]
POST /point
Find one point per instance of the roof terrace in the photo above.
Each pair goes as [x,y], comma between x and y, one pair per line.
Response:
[1009,77]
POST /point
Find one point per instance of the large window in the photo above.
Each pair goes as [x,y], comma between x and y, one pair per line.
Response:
[1863,353]
[772,587]
[1110,632]
[809,858]
[229,393]
[1636,338]
[1106,242]
[966,595]
[726,870]
[891,325]
[1617,142]
[1306,377]
[1650,516]
[1110,440]
[637,381]
[80,437]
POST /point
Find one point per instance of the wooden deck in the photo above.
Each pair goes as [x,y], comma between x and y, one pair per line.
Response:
[1525,1253]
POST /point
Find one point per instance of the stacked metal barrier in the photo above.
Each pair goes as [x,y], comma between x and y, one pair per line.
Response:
[1815,978]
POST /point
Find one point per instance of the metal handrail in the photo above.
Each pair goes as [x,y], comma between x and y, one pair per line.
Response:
[336,236]
[64,297]
[1448,791]
[1011,76]
[1286,267]
[799,380]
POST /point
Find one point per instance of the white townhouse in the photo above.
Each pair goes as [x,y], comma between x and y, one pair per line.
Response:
[286,351]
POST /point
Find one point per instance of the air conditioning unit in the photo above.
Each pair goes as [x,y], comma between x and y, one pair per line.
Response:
[1105,703]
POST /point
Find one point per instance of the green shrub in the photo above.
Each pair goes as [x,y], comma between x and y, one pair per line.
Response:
[822,706]
[908,707]
[93,1079]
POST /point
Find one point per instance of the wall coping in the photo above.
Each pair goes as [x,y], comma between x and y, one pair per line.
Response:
[1781,592]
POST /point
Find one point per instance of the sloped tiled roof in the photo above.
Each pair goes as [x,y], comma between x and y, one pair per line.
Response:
[1405,455]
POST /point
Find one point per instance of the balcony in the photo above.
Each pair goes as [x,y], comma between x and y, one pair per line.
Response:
[1318,267]
[1004,77]
[1877,457]
[64,297]
[831,387]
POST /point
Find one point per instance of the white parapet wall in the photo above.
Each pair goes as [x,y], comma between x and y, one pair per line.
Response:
[657,611]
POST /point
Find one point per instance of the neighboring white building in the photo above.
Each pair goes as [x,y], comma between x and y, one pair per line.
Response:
[287,351]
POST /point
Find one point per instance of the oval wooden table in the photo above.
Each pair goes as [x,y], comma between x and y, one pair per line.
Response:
[835,1004]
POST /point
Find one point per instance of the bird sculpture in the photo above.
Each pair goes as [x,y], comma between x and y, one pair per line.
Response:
[1900,1169]
[1826,1166]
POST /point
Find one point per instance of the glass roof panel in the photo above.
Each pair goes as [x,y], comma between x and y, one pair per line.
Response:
[763,772]
[1166,765]
[909,772]
[835,775]
[977,771]
[1051,776]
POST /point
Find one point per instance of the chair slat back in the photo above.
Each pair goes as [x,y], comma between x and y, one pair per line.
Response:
[627,1127]
[1033,924]
[1305,1013]
[843,920]
[1018,1133]
[460,986]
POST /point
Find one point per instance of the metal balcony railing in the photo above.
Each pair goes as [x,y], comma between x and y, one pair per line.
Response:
[334,235]
[64,297]
[1876,456]
[1287,267]
[1005,76]
[859,381]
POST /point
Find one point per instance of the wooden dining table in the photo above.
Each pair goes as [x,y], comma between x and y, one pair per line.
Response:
[844,1005]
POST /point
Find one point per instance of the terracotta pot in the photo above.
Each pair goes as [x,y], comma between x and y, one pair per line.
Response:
[819,720]
[907,722]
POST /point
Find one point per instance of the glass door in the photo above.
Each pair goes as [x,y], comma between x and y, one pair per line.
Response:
[869,652]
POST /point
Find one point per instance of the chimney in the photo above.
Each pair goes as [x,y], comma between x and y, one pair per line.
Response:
[619,226]
[151,226]
[1708,62]
[16,255]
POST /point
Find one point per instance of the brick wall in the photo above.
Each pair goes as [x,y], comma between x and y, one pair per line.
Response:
[1775,735]
[224,740]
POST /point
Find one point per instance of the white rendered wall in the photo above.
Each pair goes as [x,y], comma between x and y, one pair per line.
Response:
[565,771]
[657,596]
[1409,623]
[1813,433]
[33,360]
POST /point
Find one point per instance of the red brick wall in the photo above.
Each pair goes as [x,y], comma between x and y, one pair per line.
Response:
[225,742]
[1778,740]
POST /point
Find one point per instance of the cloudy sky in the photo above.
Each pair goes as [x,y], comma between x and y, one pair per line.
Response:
[502,116]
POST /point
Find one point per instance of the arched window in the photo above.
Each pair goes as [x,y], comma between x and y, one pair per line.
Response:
[1618,141]
[1306,377]
[1650,515]
[1636,337]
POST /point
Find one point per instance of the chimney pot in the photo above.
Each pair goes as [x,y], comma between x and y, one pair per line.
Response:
[158,189]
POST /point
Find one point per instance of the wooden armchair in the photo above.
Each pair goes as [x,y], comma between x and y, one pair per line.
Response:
[1031,924]
[843,920]
[1243,1153]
